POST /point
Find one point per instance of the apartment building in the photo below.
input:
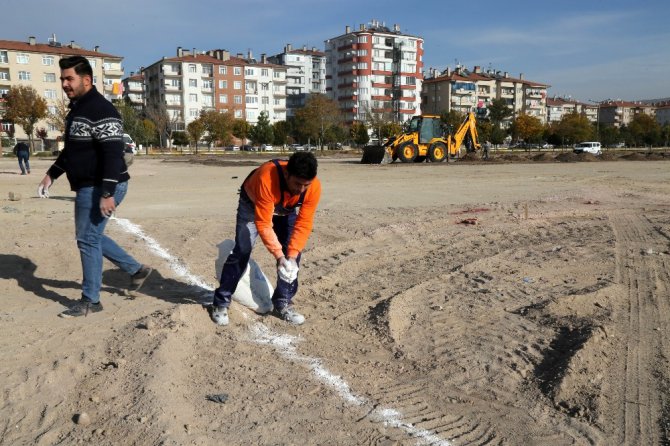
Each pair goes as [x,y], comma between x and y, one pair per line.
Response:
[620,113]
[133,90]
[663,112]
[557,107]
[193,82]
[305,74]
[35,64]
[377,70]
[466,91]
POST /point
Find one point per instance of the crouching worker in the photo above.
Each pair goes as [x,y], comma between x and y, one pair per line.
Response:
[277,202]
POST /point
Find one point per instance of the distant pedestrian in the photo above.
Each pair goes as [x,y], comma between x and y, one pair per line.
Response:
[22,151]
[487,147]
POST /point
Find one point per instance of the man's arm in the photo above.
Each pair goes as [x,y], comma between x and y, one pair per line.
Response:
[304,222]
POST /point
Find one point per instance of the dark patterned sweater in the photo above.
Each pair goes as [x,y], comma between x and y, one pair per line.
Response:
[93,153]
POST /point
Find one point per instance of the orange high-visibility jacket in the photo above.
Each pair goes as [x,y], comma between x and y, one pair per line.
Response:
[263,189]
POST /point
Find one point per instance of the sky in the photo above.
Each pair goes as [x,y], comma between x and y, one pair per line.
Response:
[588,50]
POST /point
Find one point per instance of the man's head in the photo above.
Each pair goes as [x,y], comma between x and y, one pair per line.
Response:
[76,76]
[301,171]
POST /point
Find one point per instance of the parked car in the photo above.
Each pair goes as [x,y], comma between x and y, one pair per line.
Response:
[232,148]
[307,148]
[267,147]
[547,146]
[129,144]
[589,147]
[296,147]
[248,148]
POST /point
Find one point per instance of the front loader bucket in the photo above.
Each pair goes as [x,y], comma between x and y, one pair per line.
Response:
[375,155]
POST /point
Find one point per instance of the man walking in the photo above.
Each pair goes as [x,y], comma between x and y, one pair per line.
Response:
[277,202]
[93,162]
[22,151]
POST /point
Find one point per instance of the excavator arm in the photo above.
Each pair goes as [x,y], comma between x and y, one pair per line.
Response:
[466,132]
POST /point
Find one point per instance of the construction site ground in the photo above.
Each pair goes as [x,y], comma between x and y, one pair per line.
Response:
[514,301]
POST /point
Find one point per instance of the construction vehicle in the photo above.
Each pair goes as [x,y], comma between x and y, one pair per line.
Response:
[425,138]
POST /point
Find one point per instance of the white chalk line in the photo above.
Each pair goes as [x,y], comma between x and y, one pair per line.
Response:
[285,345]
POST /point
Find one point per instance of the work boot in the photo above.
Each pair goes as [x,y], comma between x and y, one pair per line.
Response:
[81,308]
[219,315]
[137,279]
[289,315]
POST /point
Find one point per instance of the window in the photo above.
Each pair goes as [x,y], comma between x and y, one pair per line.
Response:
[362,52]
[252,100]
[193,112]
[208,100]
[106,66]
[52,109]
[193,82]
[3,57]
[192,68]
[265,86]
[265,100]
[363,39]
[50,94]
[93,63]
[265,72]
[277,101]
[4,75]
[22,58]
[49,77]
[6,126]
[223,99]
[237,99]
[24,75]
[237,71]
[237,85]
[251,115]
[412,81]
[223,84]
[238,113]
[193,97]
[223,70]
[47,60]
[207,84]
[362,65]
[175,83]
[250,72]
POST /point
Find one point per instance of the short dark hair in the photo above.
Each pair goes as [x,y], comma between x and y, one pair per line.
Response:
[302,165]
[80,64]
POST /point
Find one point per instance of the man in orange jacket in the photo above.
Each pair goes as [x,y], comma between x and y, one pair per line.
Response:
[277,202]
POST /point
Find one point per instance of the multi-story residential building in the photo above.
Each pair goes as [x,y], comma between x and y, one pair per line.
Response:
[133,90]
[375,70]
[36,65]
[305,75]
[620,113]
[194,82]
[558,107]
[663,112]
[472,91]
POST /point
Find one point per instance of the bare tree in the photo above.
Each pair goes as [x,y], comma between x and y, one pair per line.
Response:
[59,116]
[157,113]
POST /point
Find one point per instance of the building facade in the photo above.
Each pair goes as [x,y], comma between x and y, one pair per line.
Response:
[305,75]
[558,107]
[621,113]
[194,82]
[375,70]
[467,91]
[133,90]
[36,65]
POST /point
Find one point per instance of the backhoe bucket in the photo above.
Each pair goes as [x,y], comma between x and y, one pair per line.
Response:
[375,155]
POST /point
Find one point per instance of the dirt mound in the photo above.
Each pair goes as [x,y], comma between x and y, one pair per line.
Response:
[471,157]
[543,157]
[588,157]
[635,156]
[567,157]
[609,156]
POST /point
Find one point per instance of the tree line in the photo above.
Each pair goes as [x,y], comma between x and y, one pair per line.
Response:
[321,123]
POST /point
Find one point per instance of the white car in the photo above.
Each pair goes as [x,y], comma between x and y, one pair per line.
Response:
[589,147]
[129,144]
[267,147]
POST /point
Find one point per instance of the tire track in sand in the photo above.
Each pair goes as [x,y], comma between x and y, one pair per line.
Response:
[638,406]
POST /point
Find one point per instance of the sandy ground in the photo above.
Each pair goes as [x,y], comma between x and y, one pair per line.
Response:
[452,304]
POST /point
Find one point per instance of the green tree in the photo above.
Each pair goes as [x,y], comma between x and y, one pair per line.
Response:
[132,121]
[241,129]
[262,132]
[609,135]
[195,131]
[452,120]
[280,130]
[499,111]
[158,114]
[25,107]
[573,128]
[359,133]
[498,135]
[219,127]
[644,130]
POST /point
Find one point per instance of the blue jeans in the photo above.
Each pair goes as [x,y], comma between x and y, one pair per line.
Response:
[94,244]
[23,160]
[246,234]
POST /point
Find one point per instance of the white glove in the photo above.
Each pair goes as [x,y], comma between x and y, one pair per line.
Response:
[43,191]
[287,269]
[43,188]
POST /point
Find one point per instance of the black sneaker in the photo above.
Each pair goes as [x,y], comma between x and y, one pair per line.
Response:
[137,279]
[81,308]
[289,315]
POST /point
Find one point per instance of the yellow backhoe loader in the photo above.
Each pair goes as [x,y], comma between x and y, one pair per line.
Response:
[425,138]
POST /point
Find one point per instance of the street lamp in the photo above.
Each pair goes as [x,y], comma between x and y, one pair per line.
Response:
[597,118]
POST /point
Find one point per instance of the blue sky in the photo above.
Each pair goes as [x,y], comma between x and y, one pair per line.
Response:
[588,49]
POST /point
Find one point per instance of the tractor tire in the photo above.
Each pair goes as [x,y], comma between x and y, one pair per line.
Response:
[419,159]
[407,152]
[437,152]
